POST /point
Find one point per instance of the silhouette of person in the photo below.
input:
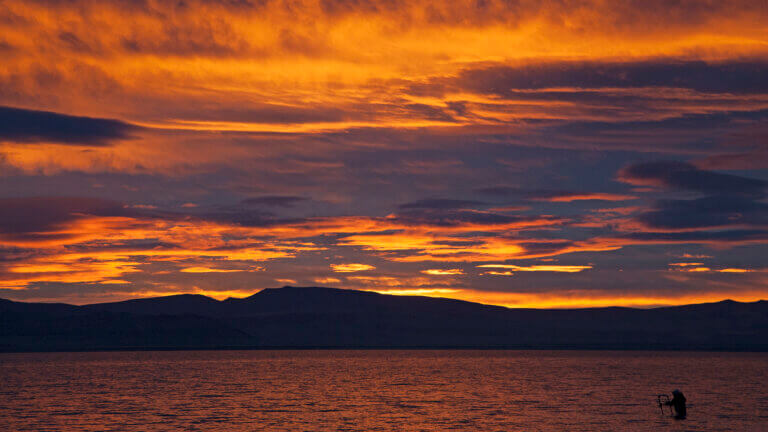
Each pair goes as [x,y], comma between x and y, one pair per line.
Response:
[678,403]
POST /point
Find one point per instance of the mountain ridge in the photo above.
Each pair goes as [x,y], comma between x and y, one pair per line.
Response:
[289,287]
[318,317]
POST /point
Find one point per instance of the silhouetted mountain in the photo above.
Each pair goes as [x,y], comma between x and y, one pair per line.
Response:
[333,318]
[193,304]
[278,301]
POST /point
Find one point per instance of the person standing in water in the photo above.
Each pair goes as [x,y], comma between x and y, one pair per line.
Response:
[678,403]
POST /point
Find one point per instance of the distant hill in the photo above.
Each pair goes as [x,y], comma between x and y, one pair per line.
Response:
[315,317]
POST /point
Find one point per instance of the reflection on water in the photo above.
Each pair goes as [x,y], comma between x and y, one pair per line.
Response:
[379,390]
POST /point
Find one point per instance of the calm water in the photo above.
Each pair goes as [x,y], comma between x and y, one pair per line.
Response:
[379,390]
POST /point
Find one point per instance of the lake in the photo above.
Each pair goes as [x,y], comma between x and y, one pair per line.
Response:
[380,390]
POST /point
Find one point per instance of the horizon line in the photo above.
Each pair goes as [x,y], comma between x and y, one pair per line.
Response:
[585,302]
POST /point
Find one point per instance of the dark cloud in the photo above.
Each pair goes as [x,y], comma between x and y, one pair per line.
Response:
[551,194]
[757,159]
[73,42]
[501,191]
[35,216]
[679,134]
[29,126]
[9,254]
[681,175]
[518,192]
[60,291]
[428,112]
[729,201]
[275,200]
[244,217]
[6,47]
[733,77]
[748,150]
[729,236]
[343,7]
[521,193]
[567,196]
[707,212]
[446,204]
[457,217]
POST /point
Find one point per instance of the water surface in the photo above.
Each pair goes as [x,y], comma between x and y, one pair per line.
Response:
[379,390]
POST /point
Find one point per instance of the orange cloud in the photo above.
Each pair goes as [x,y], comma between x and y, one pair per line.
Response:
[587,196]
[395,283]
[93,249]
[207,270]
[499,273]
[443,272]
[695,269]
[327,280]
[700,268]
[351,268]
[426,292]
[539,268]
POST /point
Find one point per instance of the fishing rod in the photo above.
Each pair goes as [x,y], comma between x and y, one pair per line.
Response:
[662,400]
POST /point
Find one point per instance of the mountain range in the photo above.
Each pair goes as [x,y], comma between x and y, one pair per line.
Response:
[315,317]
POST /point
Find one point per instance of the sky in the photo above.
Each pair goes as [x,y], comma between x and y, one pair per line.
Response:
[520,153]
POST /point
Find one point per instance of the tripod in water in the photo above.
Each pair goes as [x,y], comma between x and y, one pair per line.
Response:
[677,402]
[663,400]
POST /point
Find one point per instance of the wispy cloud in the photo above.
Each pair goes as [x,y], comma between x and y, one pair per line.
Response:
[351,268]
[538,268]
[443,272]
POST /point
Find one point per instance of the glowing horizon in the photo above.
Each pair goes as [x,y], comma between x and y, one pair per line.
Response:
[508,300]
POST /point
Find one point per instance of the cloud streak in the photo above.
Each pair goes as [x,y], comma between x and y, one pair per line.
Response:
[30,126]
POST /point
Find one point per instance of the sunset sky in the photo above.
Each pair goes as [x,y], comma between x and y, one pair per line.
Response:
[520,153]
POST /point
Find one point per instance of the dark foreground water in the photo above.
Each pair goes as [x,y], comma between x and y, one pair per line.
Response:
[380,390]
